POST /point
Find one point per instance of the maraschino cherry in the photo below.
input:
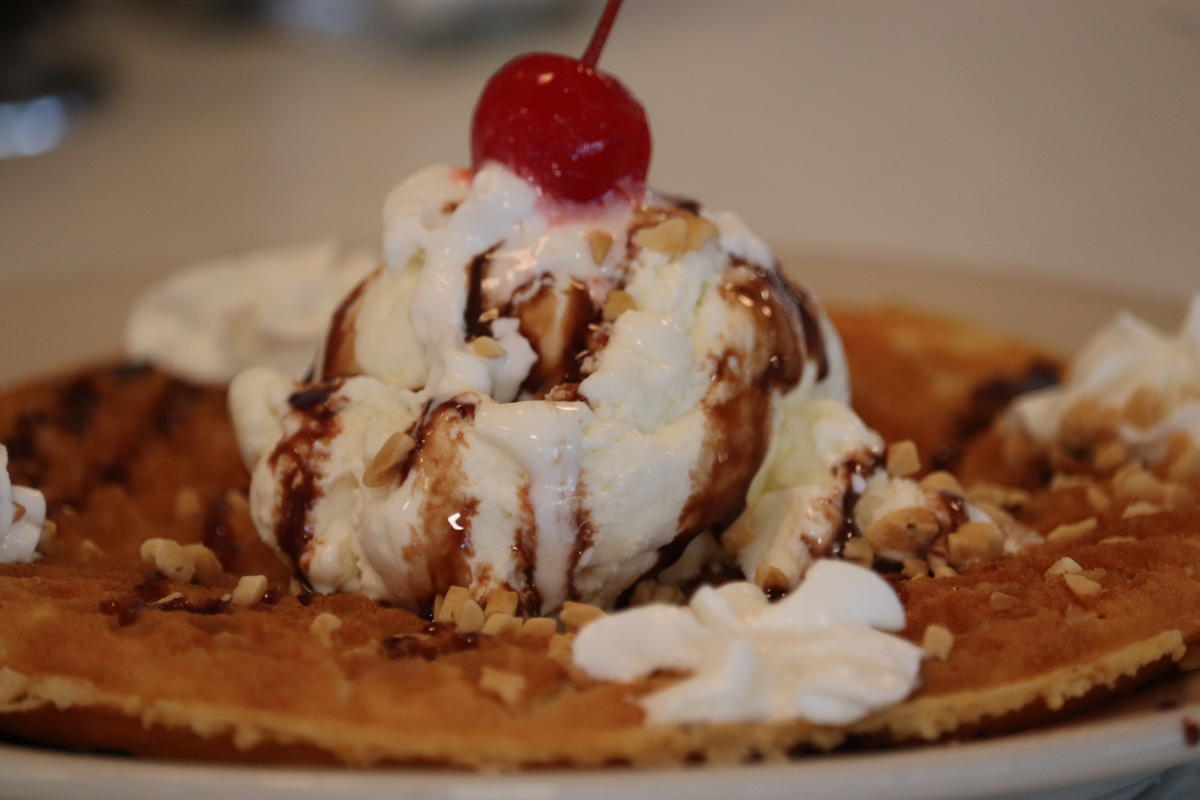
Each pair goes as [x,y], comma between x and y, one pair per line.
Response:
[560,123]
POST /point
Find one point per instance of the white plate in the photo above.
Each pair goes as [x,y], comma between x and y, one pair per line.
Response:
[1107,754]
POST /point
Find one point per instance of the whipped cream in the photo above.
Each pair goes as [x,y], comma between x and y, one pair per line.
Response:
[22,517]
[819,654]
[211,320]
[560,446]
[1126,356]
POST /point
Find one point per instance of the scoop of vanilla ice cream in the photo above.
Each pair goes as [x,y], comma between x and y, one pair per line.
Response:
[556,401]
[1126,357]
[210,320]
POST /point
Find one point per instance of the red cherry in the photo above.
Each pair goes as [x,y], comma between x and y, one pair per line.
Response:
[574,131]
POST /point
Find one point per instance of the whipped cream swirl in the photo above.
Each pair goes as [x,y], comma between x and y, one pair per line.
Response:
[820,654]
[1127,356]
[22,517]
[270,307]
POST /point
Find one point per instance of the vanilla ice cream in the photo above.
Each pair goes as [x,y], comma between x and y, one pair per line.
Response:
[576,396]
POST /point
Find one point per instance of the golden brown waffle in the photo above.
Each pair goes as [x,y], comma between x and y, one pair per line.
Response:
[97,652]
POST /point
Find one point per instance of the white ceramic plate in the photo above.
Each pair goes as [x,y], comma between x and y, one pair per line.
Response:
[1106,754]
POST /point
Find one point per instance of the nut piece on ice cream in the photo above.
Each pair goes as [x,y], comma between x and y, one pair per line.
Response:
[572,415]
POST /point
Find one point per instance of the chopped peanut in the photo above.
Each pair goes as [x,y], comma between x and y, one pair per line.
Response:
[938,641]
[500,623]
[669,237]
[600,243]
[1070,531]
[903,459]
[487,347]
[904,531]
[575,615]
[500,601]
[1139,509]
[617,303]
[1082,586]
[468,617]
[1064,566]
[999,601]
[508,687]
[859,551]
[388,458]
[323,626]
[974,541]
[249,590]
[208,569]
[941,481]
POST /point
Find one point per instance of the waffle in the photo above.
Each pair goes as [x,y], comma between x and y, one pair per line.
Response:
[97,651]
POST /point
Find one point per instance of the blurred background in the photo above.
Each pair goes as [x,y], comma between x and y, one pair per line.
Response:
[1056,138]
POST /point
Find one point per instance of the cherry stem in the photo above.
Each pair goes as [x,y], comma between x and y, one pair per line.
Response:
[592,55]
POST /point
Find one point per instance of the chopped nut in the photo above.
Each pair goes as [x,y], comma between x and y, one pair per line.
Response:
[389,456]
[915,568]
[1070,531]
[575,615]
[700,232]
[487,347]
[1082,586]
[1185,468]
[168,598]
[974,541]
[737,538]
[671,595]
[1117,539]
[500,623]
[1139,509]
[560,648]
[617,303]
[1139,484]
[187,504]
[208,566]
[500,601]
[859,551]
[323,626]
[669,237]
[904,531]
[1084,421]
[941,481]
[600,243]
[1098,499]
[937,642]
[903,459]
[1110,455]
[468,617]
[940,567]
[999,601]
[1064,566]
[455,596]
[508,687]
[169,558]
[540,627]
[1063,480]
[249,590]
[1144,408]
[768,576]
[1004,497]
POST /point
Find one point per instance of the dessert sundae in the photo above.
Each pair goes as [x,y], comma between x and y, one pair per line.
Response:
[572,475]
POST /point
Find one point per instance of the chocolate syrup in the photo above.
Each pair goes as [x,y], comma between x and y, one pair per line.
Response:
[339,359]
[863,468]
[986,402]
[430,645]
[475,320]
[293,459]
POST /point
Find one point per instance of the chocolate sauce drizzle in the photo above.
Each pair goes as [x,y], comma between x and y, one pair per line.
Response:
[293,462]
[864,468]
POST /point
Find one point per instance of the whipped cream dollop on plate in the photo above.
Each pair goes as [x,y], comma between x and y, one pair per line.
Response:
[22,516]
[1126,357]
[821,653]
[270,307]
